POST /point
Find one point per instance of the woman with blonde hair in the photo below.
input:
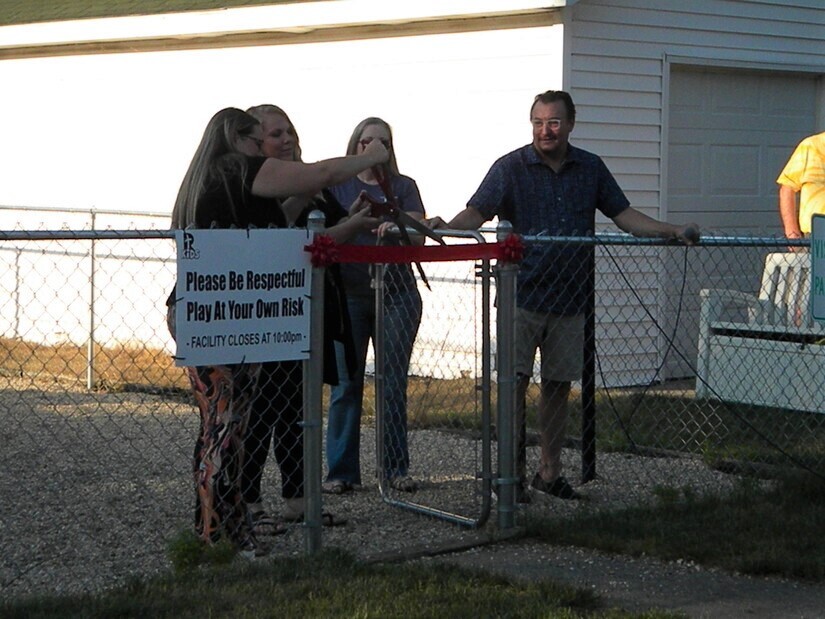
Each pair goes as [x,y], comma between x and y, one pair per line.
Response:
[402,315]
[229,184]
[277,411]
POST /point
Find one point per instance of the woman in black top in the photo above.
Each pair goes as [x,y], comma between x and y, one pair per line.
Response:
[276,414]
[229,185]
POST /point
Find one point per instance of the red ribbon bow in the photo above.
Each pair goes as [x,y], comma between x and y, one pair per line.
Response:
[323,250]
[512,249]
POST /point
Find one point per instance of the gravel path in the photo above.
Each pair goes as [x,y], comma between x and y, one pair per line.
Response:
[94,485]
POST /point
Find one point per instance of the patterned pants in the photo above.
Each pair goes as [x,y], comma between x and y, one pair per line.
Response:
[224,397]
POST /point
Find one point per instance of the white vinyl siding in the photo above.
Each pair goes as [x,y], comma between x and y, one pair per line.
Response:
[616,67]
[620,59]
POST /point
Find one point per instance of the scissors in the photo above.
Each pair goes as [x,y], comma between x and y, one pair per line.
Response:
[390,208]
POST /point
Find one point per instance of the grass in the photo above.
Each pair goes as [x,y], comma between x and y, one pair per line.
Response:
[330,585]
[626,420]
[728,436]
[778,530]
[116,368]
[716,430]
[432,402]
[29,12]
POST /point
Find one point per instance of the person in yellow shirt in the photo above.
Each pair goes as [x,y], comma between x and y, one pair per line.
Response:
[804,174]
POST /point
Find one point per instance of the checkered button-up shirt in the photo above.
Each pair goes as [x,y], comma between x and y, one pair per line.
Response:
[538,201]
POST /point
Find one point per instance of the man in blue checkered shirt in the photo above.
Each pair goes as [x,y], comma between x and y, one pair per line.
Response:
[550,187]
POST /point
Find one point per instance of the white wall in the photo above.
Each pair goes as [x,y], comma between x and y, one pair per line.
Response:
[117,131]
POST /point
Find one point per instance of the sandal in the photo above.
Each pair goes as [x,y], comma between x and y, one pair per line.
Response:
[558,487]
[336,486]
[251,548]
[403,483]
[330,520]
[327,520]
[264,525]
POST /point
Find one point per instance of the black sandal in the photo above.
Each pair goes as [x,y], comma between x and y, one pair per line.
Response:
[558,487]
[404,483]
[327,520]
[336,486]
[264,525]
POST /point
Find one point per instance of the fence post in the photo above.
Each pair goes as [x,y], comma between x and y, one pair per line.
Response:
[18,254]
[378,271]
[313,402]
[90,352]
[589,375]
[506,353]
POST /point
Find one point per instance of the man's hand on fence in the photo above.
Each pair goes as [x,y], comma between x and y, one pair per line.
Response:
[434,223]
[688,234]
[795,234]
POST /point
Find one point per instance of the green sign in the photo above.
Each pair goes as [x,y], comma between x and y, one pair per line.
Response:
[818,268]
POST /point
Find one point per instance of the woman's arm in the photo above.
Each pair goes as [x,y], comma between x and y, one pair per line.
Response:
[415,238]
[280,179]
[293,207]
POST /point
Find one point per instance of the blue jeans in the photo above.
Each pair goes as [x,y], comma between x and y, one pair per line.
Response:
[402,315]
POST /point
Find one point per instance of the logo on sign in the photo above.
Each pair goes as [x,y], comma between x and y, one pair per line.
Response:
[189,251]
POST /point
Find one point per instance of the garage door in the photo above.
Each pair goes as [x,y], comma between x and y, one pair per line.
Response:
[730,135]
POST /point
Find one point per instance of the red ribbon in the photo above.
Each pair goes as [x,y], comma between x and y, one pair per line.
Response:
[324,252]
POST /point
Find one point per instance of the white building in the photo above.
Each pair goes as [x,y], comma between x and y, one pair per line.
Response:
[693,105]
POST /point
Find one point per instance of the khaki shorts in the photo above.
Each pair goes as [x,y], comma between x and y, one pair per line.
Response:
[560,340]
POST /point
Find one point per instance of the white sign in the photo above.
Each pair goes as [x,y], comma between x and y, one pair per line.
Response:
[242,296]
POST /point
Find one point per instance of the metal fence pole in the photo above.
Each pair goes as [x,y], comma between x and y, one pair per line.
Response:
[15,297]
[505,352]
[589,376]
[380,386]
[313,403]
[90,353]
[486,390]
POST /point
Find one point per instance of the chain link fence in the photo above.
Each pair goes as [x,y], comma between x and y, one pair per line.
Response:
[99,425]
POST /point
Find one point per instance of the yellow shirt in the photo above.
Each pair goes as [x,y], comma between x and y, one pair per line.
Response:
[805,173]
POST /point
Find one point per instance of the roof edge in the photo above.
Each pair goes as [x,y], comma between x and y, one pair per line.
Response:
[289,17]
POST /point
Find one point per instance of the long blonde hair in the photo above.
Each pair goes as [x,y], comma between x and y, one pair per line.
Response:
[215,160]
[261,111]
[352,145]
